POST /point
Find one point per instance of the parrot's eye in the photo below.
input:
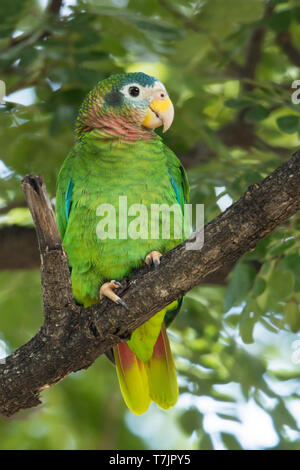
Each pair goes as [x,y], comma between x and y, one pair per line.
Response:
[134,91]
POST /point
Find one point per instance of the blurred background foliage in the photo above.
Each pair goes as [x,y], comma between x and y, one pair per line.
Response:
[229,67]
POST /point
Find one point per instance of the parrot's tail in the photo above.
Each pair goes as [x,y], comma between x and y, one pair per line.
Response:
[142,382]
[161,373]
[132,379]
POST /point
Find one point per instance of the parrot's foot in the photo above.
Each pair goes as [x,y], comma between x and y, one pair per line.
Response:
[153,258]
[107,290]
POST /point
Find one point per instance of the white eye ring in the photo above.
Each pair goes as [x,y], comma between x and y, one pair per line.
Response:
[140,96]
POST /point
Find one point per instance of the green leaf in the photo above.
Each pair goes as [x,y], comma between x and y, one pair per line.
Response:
[296,14]
[28,56]
[248,320]
[191,420]
[2,91]
[288,124]
[239,285]
[230,441]
[238,103]
[269,326]
[281,247]
[257,113]
[292,316]
[280,285]
[282,416]
[206,442]
[259,286]
[291,263]
[222,16]
[229,416]
[9,13]
[280,21]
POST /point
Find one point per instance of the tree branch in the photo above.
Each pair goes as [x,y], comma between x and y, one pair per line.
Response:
[284,40]
[73,337]
[254,50]
[52,9]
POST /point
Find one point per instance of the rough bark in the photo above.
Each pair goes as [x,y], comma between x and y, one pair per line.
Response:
[72,337]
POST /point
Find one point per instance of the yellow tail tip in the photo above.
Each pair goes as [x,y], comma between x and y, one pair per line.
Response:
[152,380]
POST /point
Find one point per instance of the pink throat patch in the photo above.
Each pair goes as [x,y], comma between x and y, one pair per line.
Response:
[117,126]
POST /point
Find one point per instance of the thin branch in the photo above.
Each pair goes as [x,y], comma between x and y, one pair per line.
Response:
[284,40]
[253,56]
[239,132]
[73,337]
[28,39]
[12,205]
[54,7]
[188,23]
[255,48]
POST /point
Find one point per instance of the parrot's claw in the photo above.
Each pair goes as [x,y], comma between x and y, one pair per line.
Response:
[121,302]
[107,290]
[153,258]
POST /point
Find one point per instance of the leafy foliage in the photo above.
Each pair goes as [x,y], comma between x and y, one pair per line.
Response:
[229,68]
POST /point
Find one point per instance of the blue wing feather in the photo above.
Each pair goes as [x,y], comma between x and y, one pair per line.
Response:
[68,198]
[175,187]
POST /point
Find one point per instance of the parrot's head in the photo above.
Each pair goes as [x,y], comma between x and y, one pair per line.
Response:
[129,105]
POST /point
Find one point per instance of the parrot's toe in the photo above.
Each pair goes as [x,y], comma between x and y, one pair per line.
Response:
[153,258]
[107,290]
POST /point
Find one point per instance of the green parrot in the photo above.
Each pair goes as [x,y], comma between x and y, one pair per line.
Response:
[118,156]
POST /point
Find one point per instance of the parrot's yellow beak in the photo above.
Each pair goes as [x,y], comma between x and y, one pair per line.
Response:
[160,112]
